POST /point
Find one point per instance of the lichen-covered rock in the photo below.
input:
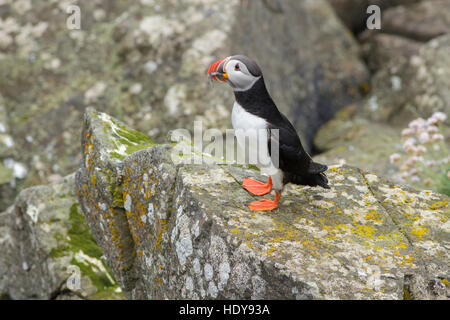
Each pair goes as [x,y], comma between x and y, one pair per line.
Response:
[106,142]
[190,235]
[47,250]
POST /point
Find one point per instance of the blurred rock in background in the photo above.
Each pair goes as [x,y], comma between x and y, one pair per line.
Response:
[354,12]
[404,30]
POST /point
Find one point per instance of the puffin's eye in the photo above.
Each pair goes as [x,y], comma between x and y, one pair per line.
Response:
[237,67]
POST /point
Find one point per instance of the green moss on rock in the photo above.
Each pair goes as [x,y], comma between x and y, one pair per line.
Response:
[80,240]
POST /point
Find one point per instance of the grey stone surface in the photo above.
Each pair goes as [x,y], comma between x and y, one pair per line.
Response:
[191,235]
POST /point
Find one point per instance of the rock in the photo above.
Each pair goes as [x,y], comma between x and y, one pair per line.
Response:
[310,62]
[357,141]
[106,142]
[354,12]
[381,48]
[47,250]
[49,74]
[404,29]
[172,230]
[422,21]
[411,88]
[366,134]
[8,189]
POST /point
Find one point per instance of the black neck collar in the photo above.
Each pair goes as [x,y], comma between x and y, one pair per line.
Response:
[257,100]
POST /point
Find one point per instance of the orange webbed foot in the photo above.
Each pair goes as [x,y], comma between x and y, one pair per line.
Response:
[266,204]
[257,188]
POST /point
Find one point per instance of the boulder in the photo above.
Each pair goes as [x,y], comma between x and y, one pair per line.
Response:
[7,188]
[412,87]
[423,21]
[365,134]
[145,62]
[170,229]
[404,29]
[380,48]
[354,12]
[47,250]
[7,176]
[357,141]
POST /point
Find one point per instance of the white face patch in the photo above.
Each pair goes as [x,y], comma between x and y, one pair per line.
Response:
[239,77]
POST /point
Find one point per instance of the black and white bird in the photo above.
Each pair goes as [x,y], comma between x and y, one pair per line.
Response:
[255,115]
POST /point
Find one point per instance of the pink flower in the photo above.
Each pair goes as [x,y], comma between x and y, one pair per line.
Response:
[420,150]
[411,161]
[409,145]
[437,137]
[394,158]
[417,124]
[439,116]
[407,132]
[424,137]
[432,121]
[432,129]
[405,168]
[430,163]
[411,149]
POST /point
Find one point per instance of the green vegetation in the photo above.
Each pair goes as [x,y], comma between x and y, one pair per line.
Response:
[81,240]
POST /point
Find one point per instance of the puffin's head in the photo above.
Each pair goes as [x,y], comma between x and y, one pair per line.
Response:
[240,72]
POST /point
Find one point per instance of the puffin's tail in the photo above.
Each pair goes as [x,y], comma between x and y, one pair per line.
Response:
[320,179]
[315,176]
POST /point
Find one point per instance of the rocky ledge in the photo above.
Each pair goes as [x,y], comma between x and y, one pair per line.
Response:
[173,230]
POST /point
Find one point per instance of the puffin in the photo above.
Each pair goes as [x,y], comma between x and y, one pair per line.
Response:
[255,116]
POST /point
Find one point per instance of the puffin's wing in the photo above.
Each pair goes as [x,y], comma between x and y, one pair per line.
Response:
[293,158]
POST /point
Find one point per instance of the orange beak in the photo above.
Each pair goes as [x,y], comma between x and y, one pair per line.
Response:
[217,70]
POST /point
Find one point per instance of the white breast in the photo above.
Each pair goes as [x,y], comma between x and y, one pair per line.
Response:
[242,119]
[252,135]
